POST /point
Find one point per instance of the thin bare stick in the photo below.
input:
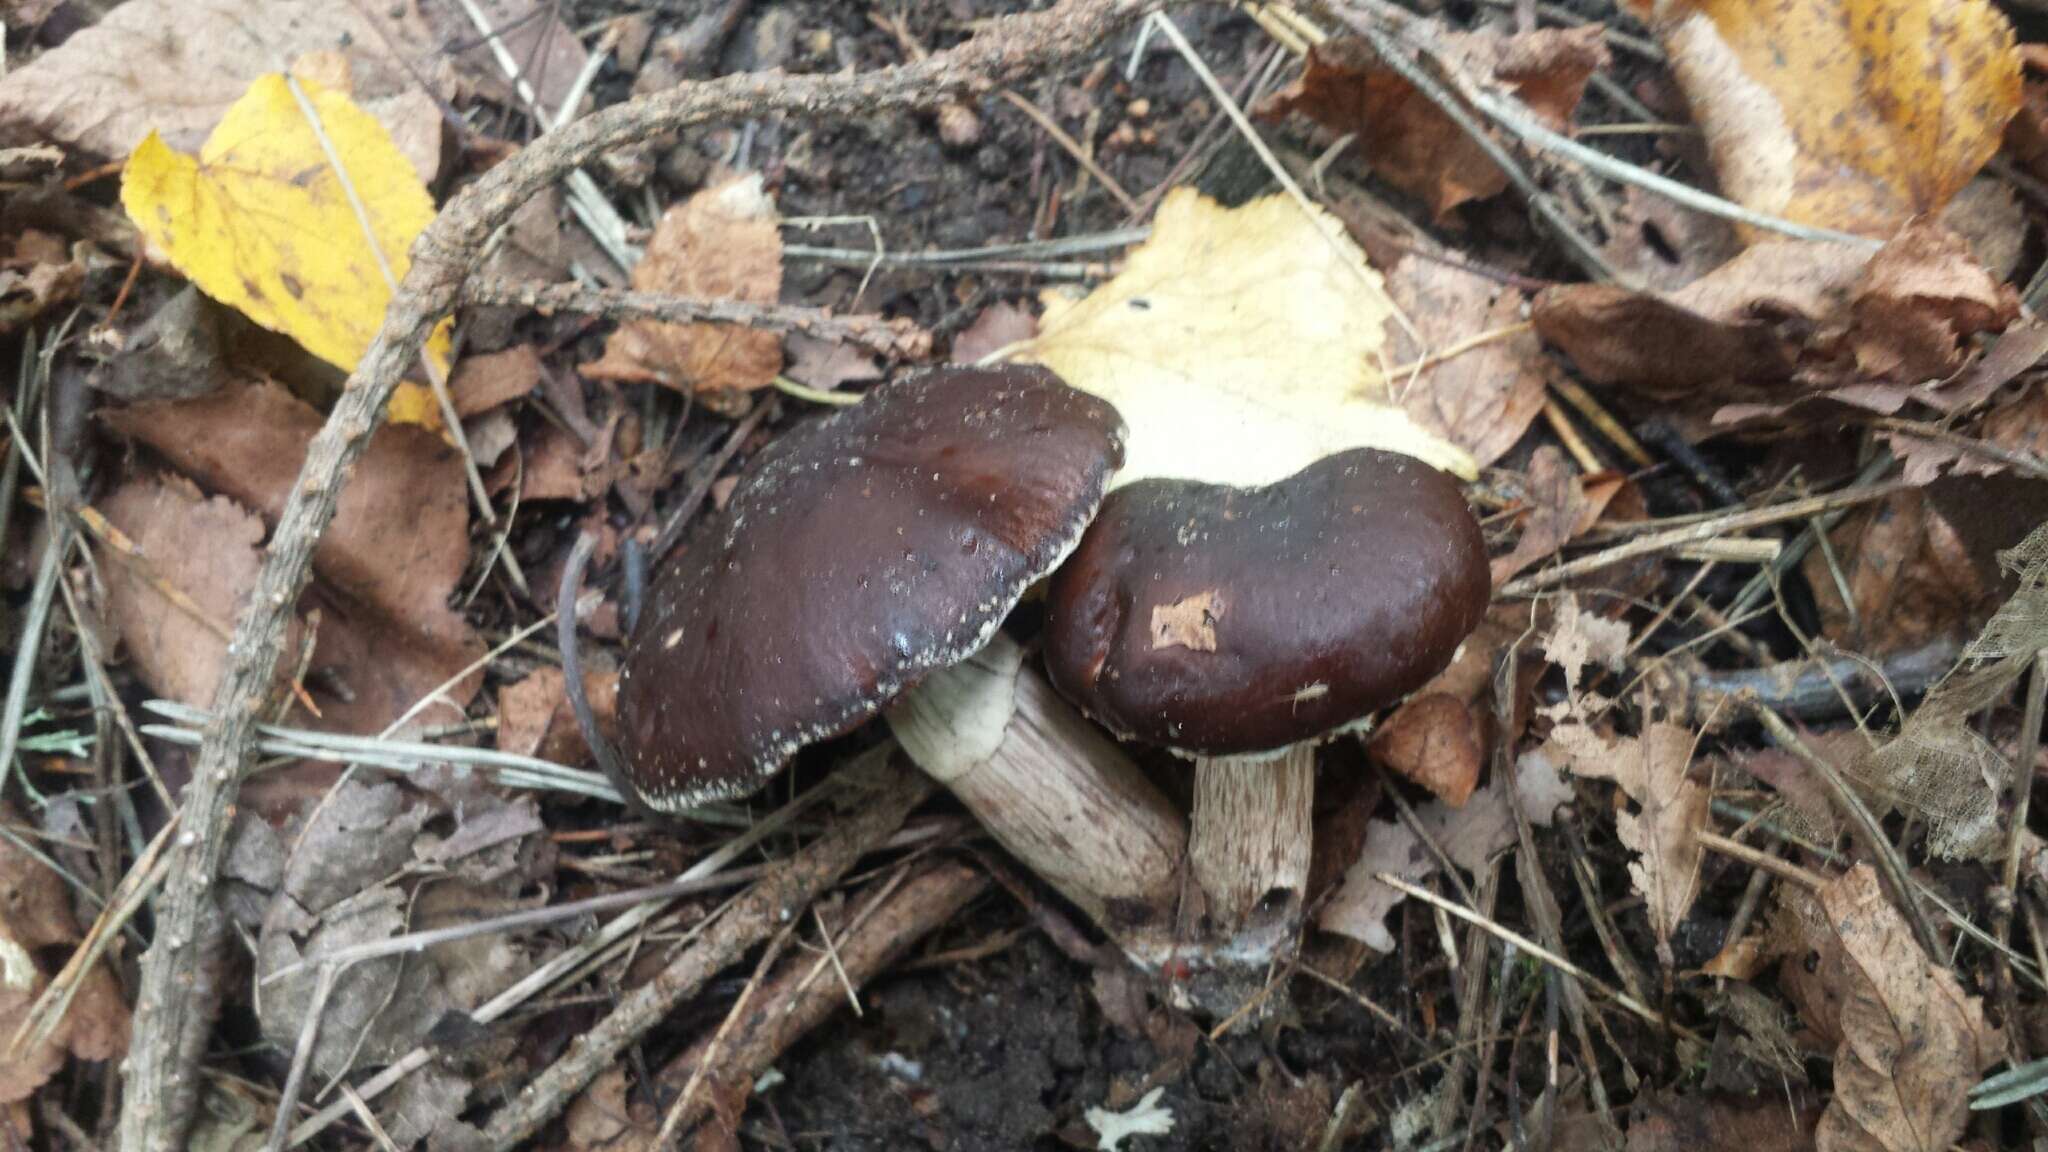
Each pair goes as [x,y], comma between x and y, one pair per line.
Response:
[437,377]
[1541,953]
[897,338]
[1698,532]
[179,991]
[2025,463]
[869,802]
[1866,828]
[1071,147]
[1763,861]
[1581,249]
[768,957]
[302,1058]
[790,1005]
[2021,786]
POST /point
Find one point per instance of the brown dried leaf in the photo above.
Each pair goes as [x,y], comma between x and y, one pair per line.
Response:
[1000,325]
[534,718]
[557,468]
[1851,114]
[210,550]
[1785,320]
[1561,506]
[1409,140]
[1433,740]
[1664,831]
[1703,1123]
[1485,825]
[1912,1039]
[826,364]
[1662,246]
[1908,575]
[721,244]
[550,54]
[38,917]
[1481,399]
[34,280]
[481,383]
[176,65]
[386,567]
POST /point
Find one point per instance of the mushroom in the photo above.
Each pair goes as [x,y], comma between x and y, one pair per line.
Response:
[1243,626]
[861,554]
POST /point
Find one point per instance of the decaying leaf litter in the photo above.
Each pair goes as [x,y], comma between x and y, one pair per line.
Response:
[1712,831]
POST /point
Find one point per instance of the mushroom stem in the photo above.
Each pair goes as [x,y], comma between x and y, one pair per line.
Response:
[1249,848]
[1050,787]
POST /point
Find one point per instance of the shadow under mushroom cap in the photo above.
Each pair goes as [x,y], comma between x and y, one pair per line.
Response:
[858,553]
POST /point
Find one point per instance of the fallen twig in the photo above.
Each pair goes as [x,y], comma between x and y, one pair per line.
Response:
[791,1005]
[869,801]
[896,338]
[1699,531]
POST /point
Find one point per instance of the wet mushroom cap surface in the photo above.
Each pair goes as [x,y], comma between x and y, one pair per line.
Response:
[858,553]
[1223,621]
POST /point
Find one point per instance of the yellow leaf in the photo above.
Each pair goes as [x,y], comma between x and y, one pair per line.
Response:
[1240,345]
[1850,114]
[260,221]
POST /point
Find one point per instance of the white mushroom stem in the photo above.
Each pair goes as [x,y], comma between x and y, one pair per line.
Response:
[1249,850]
[1053,789]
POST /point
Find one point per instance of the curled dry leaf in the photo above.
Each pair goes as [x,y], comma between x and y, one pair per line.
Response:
[1468,835]
[1849,114]
[1479,382]
[1407,139]
[723,244]
[1912,1039]
[38,919]
[1433,740]
[1561,506]
[36,278]
[1240,345]
[1785,320]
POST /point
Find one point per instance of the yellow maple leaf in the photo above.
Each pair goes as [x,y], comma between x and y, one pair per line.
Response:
[1850,114]
[260,220]
[1240,345]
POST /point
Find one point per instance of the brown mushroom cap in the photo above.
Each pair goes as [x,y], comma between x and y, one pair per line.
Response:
[1222,621]
[857,554]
